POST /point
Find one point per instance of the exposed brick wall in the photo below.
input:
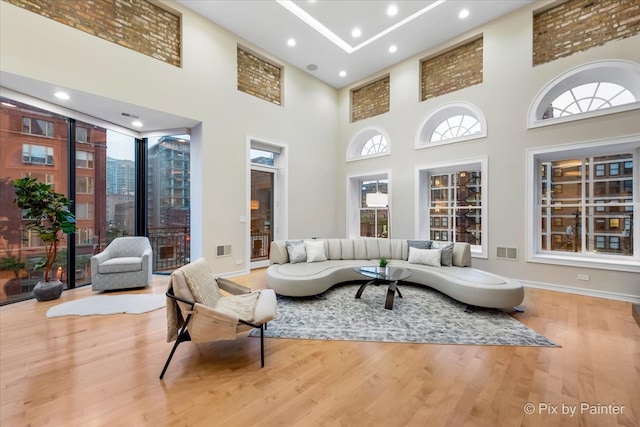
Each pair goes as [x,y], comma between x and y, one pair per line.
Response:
[259,78]
[452,70]
[135,24]
[370,100]
[578,25]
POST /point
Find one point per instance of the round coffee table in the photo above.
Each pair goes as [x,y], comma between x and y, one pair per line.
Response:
[382,276]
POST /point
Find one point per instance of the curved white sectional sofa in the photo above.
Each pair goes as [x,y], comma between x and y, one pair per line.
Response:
[459,281]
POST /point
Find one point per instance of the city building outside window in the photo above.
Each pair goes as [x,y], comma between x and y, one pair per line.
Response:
[84,159]
[369,205]
[452,203]
[584,203]
[374,208]
[84,185]
[84,211]
[34,126]
[37,154]
[82,134]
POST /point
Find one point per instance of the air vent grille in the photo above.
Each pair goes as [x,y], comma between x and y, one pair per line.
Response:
[504,252]
[223,250]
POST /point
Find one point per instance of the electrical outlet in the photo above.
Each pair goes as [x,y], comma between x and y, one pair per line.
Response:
[583,277]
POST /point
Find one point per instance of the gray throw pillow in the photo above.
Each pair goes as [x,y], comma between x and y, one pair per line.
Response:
[419,244]
[447,252]
[297,251]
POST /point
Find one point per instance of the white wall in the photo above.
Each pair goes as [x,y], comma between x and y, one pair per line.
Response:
[314,125]
[204,89]
[510,84]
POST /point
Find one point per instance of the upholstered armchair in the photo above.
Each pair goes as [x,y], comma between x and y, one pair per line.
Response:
[198,311]
[125,263]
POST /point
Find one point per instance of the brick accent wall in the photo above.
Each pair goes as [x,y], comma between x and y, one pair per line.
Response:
[452,70]
[259,78]
[370,100]
[136,24]
[578,25]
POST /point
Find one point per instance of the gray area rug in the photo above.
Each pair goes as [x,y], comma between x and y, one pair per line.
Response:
[422,316]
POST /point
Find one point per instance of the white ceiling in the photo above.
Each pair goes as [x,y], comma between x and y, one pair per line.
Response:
[268,24]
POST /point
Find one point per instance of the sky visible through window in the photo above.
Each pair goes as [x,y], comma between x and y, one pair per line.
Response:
[589,97]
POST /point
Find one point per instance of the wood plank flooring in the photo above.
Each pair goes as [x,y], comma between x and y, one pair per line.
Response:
[103,371]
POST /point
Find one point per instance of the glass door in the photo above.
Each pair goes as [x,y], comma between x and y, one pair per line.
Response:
[261,213]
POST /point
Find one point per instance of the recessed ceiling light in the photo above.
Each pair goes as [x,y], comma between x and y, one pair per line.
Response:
[62,95]
[463,13]
[291,42]
[342,73]
[8,104]
[136,123]
[356,32]
[393,48]
[392,10]
[312,67]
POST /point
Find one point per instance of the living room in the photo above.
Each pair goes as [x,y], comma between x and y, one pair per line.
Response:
[314,129]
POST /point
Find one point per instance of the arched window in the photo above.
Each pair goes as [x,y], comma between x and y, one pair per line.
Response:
[453,122]
[368,143]
[590,90]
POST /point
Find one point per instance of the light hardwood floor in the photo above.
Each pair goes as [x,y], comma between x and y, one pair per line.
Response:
[103,371]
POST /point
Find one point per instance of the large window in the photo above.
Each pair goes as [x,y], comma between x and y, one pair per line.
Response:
[452,203]
[585,201]
[368,204]
[374,208]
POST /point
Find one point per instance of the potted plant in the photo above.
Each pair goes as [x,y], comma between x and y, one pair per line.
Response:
[383,265]
[49,215]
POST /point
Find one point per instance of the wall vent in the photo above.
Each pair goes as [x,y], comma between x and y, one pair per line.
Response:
[223,250]
[507,253]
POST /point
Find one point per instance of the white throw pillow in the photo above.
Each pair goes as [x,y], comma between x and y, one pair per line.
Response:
[315,251]
[425,256]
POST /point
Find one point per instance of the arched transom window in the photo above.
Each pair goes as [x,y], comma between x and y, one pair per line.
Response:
[452,123]
[374,145]
[589,97]
[368,143]
[590,90]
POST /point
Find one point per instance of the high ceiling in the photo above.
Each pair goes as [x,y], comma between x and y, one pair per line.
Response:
[417,26]
[322,29]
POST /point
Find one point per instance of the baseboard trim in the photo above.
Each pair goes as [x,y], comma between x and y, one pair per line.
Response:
[581,291]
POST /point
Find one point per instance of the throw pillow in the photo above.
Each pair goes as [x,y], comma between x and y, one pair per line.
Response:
[297,252]
[425,256]
[420,244]
[315,251]
[447,252]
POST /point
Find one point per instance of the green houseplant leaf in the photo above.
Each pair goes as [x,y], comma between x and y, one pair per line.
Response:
[47,213]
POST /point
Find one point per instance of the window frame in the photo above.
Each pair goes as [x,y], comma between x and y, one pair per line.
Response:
[354,197]
[357,143]
[621,72]
[587,260]
[423,198]
[445,112]
[47,156]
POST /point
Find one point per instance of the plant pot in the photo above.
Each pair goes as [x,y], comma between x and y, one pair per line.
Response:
[47,291]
